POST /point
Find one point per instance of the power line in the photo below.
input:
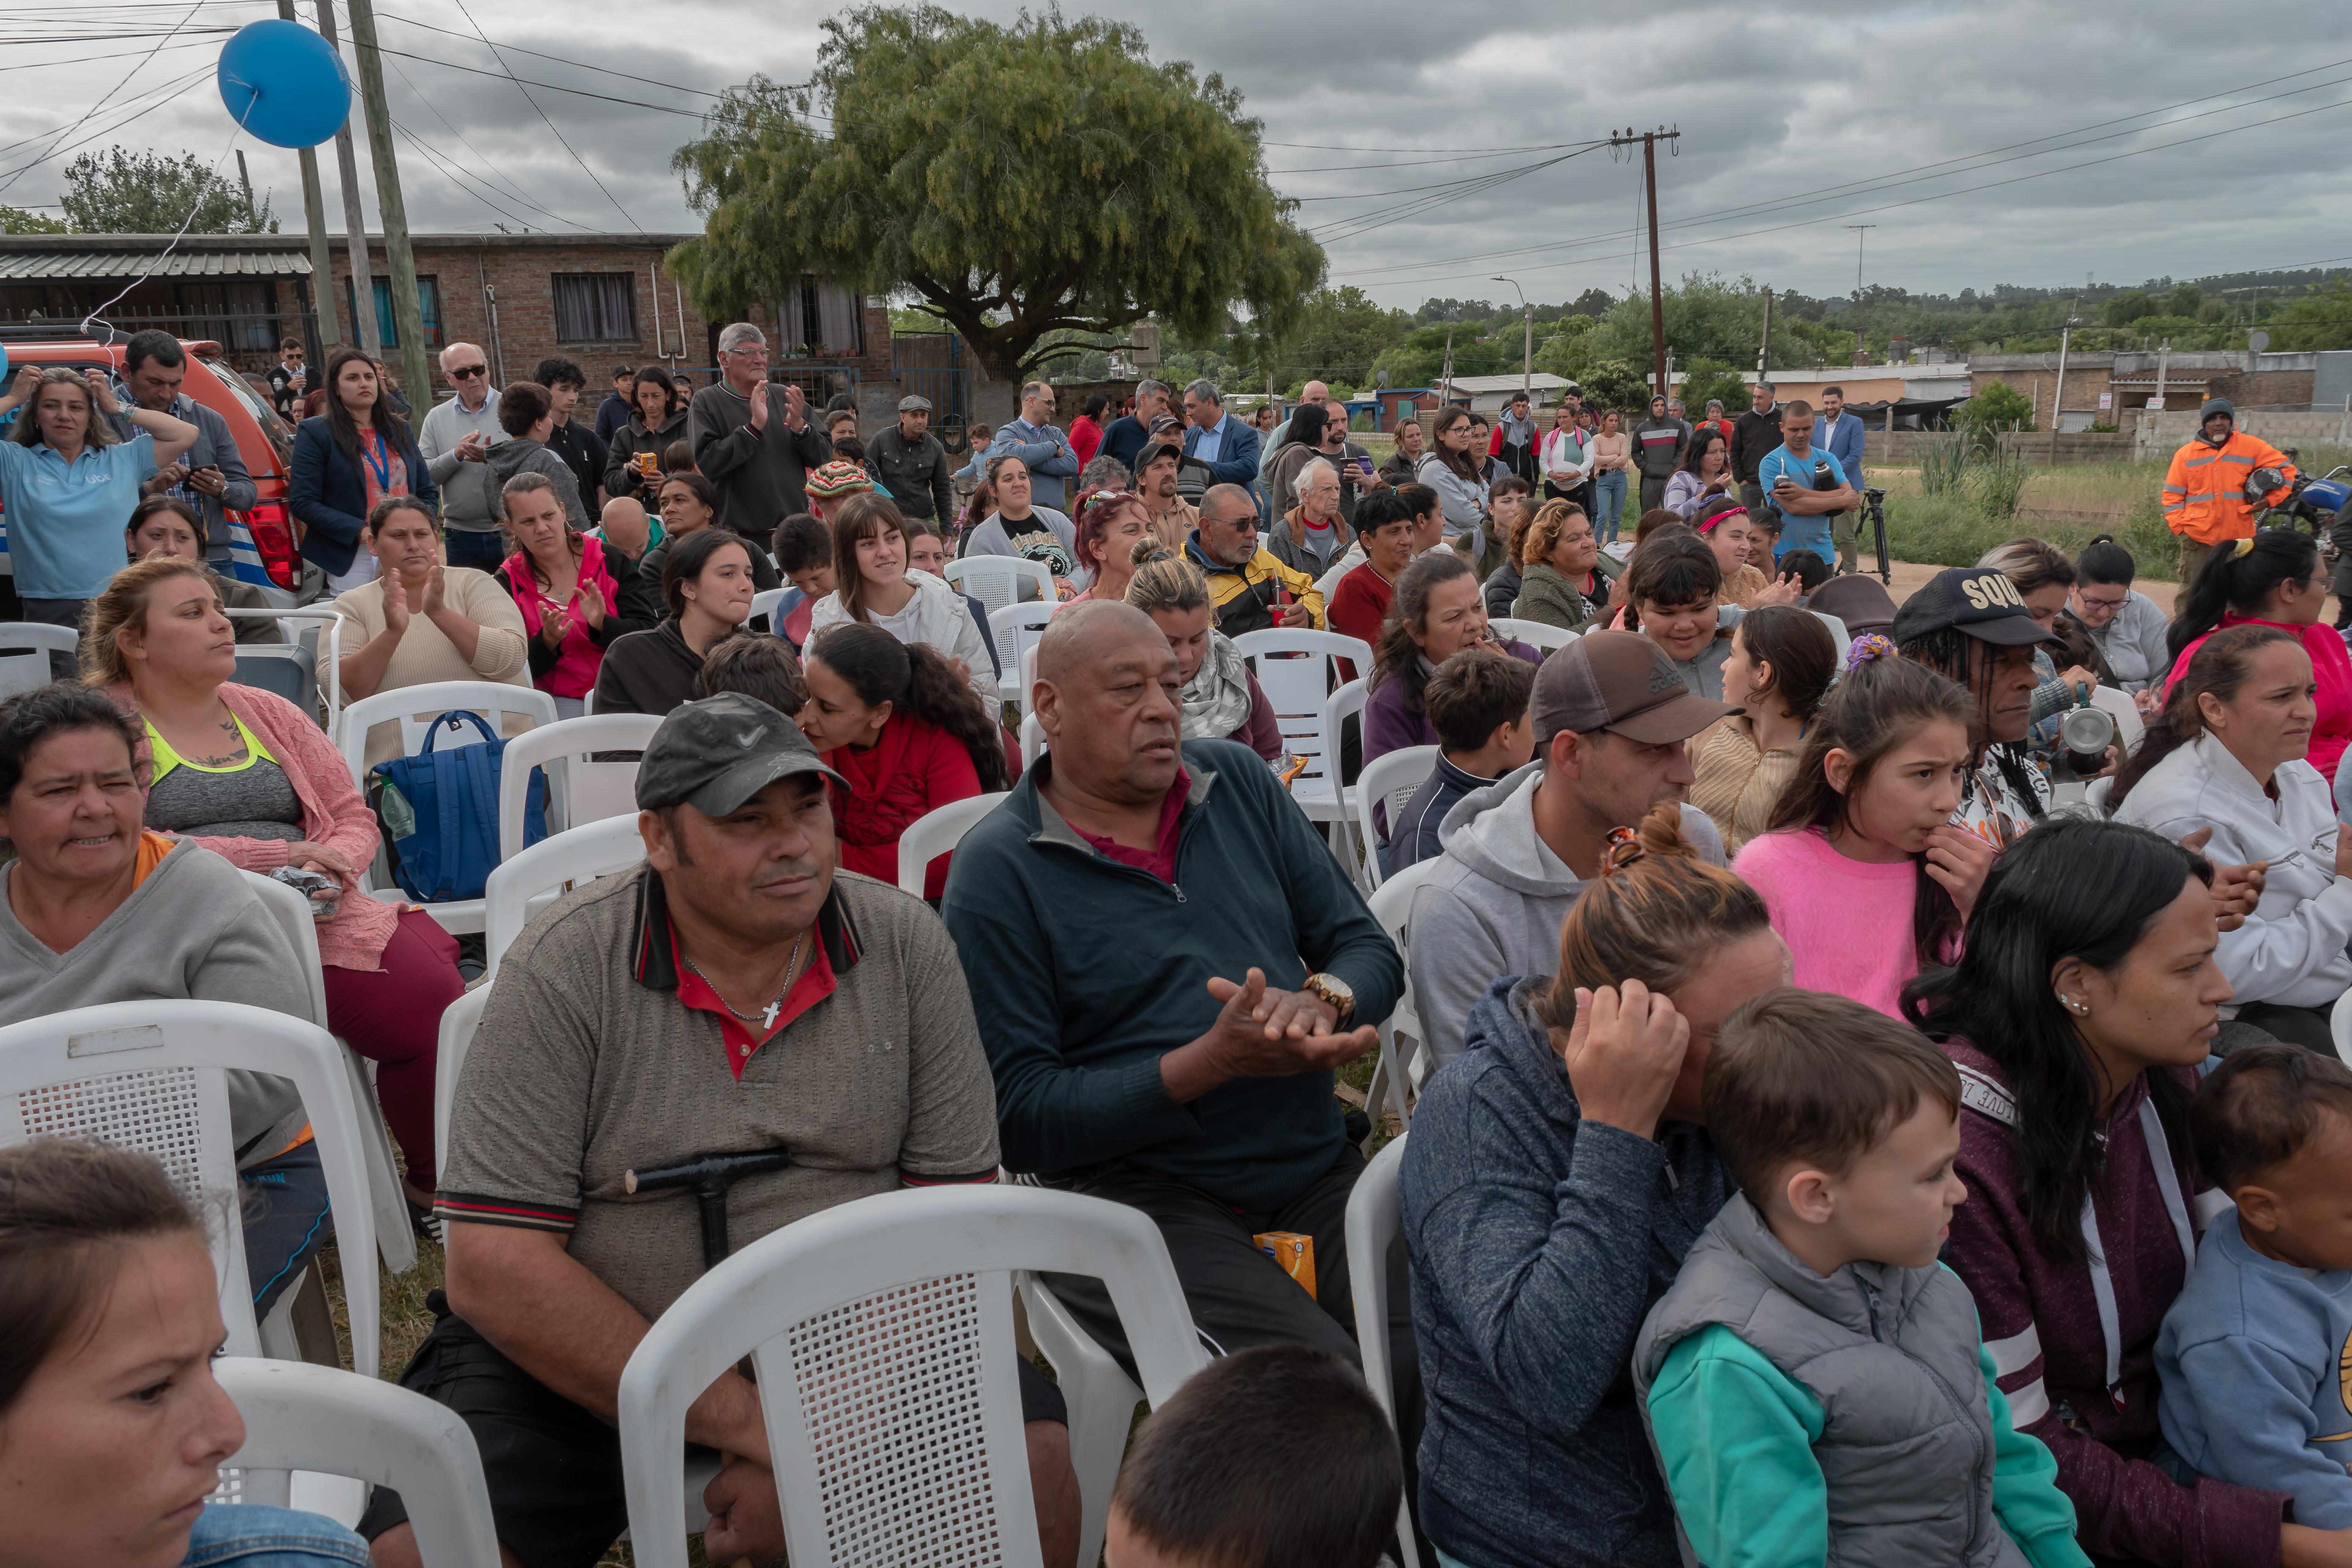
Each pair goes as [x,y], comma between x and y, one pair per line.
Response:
[559,59]
[550,86]
[132,109]
[102,103]
[488,165]
[443,164]
[543,117]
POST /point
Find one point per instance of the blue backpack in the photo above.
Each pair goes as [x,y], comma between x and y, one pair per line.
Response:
[439,812]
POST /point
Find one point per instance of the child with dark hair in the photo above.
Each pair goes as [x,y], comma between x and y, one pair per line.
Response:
[756,666]
[1814,1382]
[1271,1457]
[804,559]
[1808,568]
[2256,1353]
[1477,702]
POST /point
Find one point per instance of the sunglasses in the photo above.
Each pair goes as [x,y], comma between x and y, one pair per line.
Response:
[469,372]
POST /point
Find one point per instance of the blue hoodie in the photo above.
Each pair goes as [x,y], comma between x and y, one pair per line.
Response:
[1537,1246]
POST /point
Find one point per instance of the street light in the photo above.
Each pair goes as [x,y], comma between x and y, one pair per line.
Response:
[1527,362]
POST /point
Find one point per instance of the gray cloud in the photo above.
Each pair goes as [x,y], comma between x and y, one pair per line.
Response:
[1772,108]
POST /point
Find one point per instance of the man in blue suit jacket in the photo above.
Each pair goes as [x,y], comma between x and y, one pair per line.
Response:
[1839,434]
[1226,445]
[1041,446]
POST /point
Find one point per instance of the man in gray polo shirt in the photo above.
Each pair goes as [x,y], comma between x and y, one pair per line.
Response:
[733,995]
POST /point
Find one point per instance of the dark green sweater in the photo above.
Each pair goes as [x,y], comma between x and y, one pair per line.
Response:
[1084,972]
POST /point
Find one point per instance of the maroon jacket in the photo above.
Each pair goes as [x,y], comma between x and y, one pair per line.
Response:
[2041,1322]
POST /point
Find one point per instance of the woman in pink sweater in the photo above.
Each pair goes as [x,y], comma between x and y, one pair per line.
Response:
[1866,877]
[253,778]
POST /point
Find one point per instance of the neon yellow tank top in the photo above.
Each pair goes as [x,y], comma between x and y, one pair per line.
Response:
[167,759]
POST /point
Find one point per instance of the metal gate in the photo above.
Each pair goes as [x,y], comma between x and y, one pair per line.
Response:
[931,365]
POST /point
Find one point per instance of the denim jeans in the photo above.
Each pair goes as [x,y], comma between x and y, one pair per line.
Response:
[1609,492]
[286,1221]
[482,551]
[249,1535]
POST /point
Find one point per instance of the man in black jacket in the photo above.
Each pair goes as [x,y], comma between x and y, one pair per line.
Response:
[911,464]
[569,439]
[753,440]
[1658,449]
[1754,435]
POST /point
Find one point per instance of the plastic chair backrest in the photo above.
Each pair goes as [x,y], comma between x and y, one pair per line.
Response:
[522,884]
[1033,741]
[1347,702]
[415,707]
[1015,629]
[937,833]
[764,608]
[153,1076]
[996,579]
[580,789]
[881,1333]
[324,1420]
[25,649]
[458,1022]
[1373,1219]
[282,670]
[1297,686]
[1540,634]
[1391,779]
[1328,584]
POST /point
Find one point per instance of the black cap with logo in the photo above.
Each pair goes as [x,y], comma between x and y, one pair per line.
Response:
[1977,600]
[716,754]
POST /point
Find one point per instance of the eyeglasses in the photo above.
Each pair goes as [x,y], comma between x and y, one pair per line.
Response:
[749,350]
[2116,602]
[469,372]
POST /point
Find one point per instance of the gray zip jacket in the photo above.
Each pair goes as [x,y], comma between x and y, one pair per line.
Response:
[1907,1446]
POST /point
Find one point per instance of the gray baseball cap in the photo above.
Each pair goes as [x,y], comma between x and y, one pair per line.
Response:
[1623,683]
[716,754]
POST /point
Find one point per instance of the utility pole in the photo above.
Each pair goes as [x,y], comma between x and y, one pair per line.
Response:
[1858,237]
[347,172]
[1527,362]
[314,213]
[407,310]
[1764,349]
[1649,140]
[2058,396]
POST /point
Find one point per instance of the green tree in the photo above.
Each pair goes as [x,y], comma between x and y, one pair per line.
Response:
[1568,349]
[16,220]
[2317,320]
[1020,180]
[1614,383]
[1419,360]
[2127,307]
[1712,379]
[1998,408]
[120,192]
[1339,335]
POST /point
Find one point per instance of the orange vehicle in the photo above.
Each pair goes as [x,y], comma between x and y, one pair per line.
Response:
[263,440]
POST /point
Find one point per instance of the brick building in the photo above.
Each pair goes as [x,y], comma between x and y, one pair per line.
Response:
[601,300]
[2102,385]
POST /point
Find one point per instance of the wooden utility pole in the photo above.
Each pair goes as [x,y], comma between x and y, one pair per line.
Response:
[347,172]
[1649,140]
[2058,398]
[314,213]
[407,310]
[1764,349]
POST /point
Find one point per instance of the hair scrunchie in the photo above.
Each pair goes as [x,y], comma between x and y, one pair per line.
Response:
[1868,647]
[2242,547]
[1623,848]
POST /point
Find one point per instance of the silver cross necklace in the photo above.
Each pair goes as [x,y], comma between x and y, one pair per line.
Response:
[766,1017]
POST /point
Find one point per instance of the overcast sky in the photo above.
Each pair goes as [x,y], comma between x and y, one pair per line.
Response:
[1795,122]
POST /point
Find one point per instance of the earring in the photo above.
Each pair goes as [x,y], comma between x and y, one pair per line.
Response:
[2074,1004]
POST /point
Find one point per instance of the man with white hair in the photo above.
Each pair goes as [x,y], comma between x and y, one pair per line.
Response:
[754,444]
[463,430]
[1041,445]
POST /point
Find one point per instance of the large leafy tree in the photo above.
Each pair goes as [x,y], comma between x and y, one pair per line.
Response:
[120,192]
[1022,180]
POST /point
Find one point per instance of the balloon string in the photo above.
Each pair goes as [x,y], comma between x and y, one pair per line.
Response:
[201,191]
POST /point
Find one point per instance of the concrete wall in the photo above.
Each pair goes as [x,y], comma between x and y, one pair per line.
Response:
[2160,435]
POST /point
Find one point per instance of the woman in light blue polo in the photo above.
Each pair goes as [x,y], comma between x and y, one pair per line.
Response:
[67,485]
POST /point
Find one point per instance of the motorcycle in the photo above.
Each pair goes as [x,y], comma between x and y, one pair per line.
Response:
[2314,505]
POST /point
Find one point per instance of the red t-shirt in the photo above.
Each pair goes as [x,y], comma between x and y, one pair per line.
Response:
[1160,858]
[1358,607]
[912,768]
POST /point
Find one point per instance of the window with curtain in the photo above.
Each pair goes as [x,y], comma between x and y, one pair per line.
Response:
[817,317]
[429,305]
[240,317]
[596,307]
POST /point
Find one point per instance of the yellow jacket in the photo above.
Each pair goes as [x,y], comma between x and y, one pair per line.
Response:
[2204,494]
[1243,595]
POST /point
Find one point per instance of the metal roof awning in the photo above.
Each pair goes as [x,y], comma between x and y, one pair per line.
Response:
[57,265]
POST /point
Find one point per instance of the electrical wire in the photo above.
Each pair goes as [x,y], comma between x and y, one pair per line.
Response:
[124,54]
[544,119]
[549,86]
[488,165]
[441,162]
[559,59]
[188,17]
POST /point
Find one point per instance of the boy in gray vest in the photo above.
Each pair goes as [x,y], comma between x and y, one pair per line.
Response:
[1815,1383]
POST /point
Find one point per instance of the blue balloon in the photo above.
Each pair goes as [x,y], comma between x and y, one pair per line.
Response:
[282,82]
[4,366]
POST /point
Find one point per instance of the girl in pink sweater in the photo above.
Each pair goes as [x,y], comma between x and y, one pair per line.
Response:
[1866,877]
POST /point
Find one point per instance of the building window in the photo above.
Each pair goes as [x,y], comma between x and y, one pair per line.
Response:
[818,318]
[429,305]
[240,317]
[596,307]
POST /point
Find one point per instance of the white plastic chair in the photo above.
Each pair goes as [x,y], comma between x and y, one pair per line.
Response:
[394,1236]
[521,887]
[1033,741]
[1099,1396]
[324,622]
[1317,789]
[152,1076]
[997,580]
[1373,1218]
[580,789]
[1539,634]
[322,1421]
[1017,629]
[415,709]
[1391,779]
[1299,689]
[458,1022]
[1328,584]
[763,606]
[1403,1041]
[881,1333]
[936,833]
[25,649]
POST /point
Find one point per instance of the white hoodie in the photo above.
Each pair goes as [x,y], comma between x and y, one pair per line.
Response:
[937,618]
[2291,949]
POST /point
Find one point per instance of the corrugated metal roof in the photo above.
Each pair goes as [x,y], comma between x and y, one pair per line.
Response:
[44,266]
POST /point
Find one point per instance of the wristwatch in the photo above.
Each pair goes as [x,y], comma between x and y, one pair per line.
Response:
[1334,990]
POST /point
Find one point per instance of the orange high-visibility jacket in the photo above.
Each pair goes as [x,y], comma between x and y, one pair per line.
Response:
[2205,490]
